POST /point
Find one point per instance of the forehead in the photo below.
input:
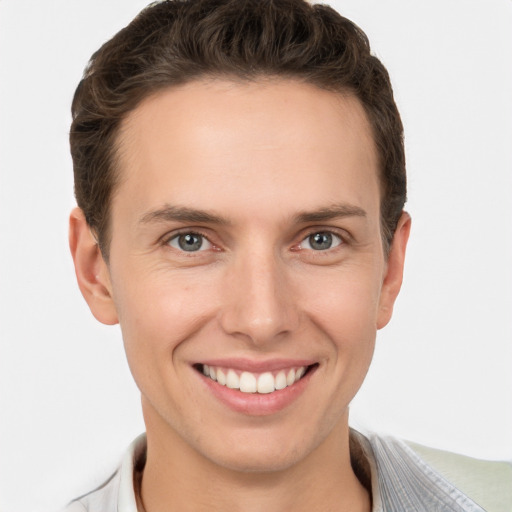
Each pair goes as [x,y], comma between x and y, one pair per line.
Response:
[209,141]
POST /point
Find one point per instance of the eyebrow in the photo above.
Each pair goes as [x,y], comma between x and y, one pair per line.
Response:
[329,213]
[170,213]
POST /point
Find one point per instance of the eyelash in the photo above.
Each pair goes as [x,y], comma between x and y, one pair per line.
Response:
[335,239]
[342,240]
[166,241]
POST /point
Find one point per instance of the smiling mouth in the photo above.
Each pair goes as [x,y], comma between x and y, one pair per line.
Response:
[249,382]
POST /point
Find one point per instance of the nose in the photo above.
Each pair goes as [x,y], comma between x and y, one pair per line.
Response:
[259,303]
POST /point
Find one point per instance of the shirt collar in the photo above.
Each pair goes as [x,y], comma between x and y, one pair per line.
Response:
[400,479]
[134,458]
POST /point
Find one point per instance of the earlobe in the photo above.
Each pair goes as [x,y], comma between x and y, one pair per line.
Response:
[394,271]
[91,270]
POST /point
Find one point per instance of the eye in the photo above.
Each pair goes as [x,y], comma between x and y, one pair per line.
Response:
[321,241]
[189,242]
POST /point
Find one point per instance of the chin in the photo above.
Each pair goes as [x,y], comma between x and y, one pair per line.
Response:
[261,452]
[254,461]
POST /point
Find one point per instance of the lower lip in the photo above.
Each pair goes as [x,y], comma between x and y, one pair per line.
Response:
[258,404]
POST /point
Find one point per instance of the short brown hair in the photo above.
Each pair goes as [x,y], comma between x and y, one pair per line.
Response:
[173,42]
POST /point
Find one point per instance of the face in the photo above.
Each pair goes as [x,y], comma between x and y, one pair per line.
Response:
[246,266]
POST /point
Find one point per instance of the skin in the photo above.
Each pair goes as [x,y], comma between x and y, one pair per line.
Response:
[302,162]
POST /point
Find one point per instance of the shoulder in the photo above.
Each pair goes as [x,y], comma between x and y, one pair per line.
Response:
[103,499]
[116,493]
[75,506]
[408,476]
[488,483]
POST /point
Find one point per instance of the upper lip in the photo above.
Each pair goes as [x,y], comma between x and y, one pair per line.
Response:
[257,366]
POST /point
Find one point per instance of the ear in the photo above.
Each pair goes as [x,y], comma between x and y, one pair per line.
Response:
[394,270]
[91,270]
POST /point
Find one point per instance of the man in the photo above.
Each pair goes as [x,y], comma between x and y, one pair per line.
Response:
[240,178]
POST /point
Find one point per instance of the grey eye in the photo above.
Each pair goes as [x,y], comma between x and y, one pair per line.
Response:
[189,242]
[321,241]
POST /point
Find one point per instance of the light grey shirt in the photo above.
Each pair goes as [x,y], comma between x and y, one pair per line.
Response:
[400,481]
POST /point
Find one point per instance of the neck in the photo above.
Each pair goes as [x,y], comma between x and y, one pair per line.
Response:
[177,477]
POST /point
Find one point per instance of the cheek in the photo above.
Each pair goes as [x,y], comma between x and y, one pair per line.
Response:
[157,312]
[157,316]
[346,313]
[345,303]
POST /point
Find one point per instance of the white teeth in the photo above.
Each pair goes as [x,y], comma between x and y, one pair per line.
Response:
[266,383]
[232,380]
[248,382]
[221,377]
[281,380]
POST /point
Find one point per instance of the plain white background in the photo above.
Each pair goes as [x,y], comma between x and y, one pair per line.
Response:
[442,373]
